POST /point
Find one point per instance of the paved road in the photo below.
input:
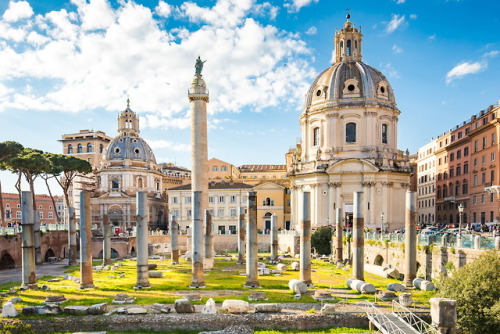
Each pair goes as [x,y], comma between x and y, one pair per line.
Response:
[15,275]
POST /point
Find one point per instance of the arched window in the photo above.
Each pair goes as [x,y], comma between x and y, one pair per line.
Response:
[384,133]
[348,48]
[115,184]
[79,148]
[89,147]
[350,132]
[268,202]
[355,44]
[70,149]
[316,137]
[101,148]
[139,182]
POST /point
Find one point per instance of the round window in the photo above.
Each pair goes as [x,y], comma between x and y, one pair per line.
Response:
[137,151]
[318,93]
[351,88]
[382,89]
[117,150]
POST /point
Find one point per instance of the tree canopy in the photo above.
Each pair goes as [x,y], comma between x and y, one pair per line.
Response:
[321,240]
[476,288]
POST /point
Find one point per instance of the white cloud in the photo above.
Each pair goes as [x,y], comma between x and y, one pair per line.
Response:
[312,31]
[432,38]
[163,9]
[400,1]
[96,14]
[413,16]
[396,22]
[463,69]
[492,54]
[390,71]
[74,69]
[397,49]
[161,143]
[17,11]
[294,6]
[225,13]
[266,10]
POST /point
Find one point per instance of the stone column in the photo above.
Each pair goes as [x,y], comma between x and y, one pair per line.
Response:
[241,235]
[410,239]
[305,240]
[28,245]
[497,243]
[274,238]
[338,222]
[444,315]
[174,239]
[142,241]
[252,250]
[71,237]
[197,243]
[106,240]
[198,98]
[36,234]
[373,205]
[209,243]
[358,237]
[86,280]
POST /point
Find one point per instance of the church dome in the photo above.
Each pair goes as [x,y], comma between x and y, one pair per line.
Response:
[126,147]
[349,82]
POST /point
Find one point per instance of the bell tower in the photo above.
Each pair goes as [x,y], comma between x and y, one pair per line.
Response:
[128,122]
[348,43]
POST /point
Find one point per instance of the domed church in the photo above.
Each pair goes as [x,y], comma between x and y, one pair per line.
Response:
[349,143]
[128,165]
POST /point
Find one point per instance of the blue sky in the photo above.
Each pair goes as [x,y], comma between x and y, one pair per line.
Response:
[70,65]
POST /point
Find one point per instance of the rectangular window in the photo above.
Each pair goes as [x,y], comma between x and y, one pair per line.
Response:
[451,172]
[233,212]
[466,168]
[493,139]
[51,215]
[492,177]
[459,154]
[223,169]
[221,199]
[475,162]
[233,199]
[464,189]
[475,146]
[475,180]
[460,135]
[452,156]
[492,156]
[484,142]
[232,229]
[452,138]
[18,214]
[483,159]
[459,170]
[221,212]
[188,213]
[40,214]
[187,200]
[466,151]
[215,169]
[175,213]
[174,200]
[210,199]
[483,178]
[316,137]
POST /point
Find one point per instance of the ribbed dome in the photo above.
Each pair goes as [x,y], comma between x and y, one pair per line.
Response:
[124,147]
[351,83]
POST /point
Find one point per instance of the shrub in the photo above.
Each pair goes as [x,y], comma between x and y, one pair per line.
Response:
[476,288]
[321,240]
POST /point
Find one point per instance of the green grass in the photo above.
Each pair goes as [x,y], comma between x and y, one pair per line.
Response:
[225,278]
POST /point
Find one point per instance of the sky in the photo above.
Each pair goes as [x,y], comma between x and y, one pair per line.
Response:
[67,65]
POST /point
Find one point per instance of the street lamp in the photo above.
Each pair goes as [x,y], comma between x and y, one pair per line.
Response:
[382,219]
[460,211]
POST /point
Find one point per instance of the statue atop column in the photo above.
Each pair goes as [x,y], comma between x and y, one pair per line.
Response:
[199,65]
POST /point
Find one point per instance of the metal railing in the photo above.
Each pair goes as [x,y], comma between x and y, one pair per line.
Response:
[412,319]
[379,319]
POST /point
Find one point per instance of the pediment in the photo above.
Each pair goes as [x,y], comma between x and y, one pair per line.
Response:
[352,166]
[268,186]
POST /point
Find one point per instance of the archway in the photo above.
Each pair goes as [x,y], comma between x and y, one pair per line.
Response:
[49,253]
[6,261]
[132,251]
[114,254]
[379,260]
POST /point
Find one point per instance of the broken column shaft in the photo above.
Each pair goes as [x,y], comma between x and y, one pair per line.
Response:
[274,238]
[142,241]
[197,243]
[28,245]
[86,280]
[305,239]
[338,222]
[72,249]
[358,237]
[174,239]
[410,239]
[252,250]
[241,235]
[106,240]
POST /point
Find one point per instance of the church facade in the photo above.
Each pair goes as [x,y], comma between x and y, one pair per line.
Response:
[349,143]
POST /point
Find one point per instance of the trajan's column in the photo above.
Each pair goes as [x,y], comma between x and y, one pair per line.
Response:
[198,96]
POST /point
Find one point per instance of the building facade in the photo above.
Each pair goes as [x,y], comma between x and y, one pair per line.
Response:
[349,142]
[47,212]
[426,184]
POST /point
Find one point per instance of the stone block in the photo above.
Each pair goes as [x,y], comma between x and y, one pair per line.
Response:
[123,298]
[297,286]
[392,272]
[55,299]
[386,295]
[15,300]
[398,287]
[257,295]
[328,309]
[76,310]
[193,296]
[295,266]
[162,308]
[152,266]
[444,312]
[264,271]
[98,309]
[281,266]
[183,305]
[322,294]
[267,308]
[155,274]
[235,306]
[9,310]
[427,286]
[261,265]
[405,299]
[29,310]
[209,307]
[48,309]
[137,310]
